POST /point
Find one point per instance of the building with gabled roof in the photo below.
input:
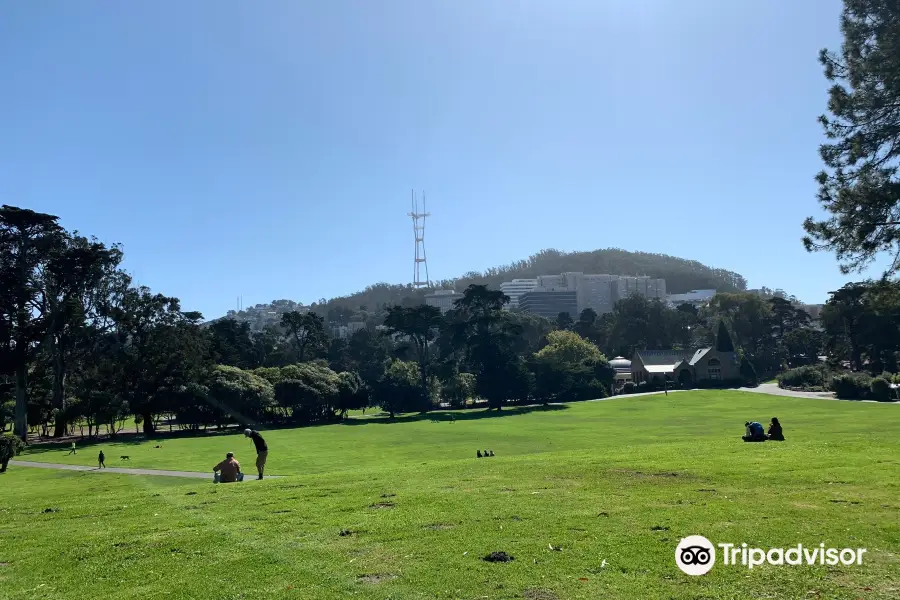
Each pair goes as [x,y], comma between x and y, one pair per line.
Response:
[688,367]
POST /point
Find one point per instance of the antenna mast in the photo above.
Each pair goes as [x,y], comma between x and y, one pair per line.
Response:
[418,219]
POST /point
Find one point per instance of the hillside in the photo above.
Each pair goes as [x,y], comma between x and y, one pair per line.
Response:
[681,275]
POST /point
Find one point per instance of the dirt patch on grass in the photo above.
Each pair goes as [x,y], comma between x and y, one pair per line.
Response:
[539,594]
[498,557]
[646,475]
[374,579]
[382,505]
[439,527]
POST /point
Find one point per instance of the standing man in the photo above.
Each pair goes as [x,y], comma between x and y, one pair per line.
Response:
[262,450]
[101,460]
[71,449]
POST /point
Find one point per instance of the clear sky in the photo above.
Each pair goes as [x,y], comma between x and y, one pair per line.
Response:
[268,149]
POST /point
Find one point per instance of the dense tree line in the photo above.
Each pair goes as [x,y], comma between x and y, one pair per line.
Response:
[81,344]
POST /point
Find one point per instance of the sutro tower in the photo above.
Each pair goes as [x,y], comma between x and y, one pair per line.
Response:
[418,219]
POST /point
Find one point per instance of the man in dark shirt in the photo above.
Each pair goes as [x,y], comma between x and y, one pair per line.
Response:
[262,450]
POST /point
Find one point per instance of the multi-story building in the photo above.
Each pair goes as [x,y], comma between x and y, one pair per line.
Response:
[697,298]
[549,303]
[642,286]
[597,292]
[442,299]
[515,288]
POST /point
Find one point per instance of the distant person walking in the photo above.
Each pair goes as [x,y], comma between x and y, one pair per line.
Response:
[262,450]
[71,450]
[101,460]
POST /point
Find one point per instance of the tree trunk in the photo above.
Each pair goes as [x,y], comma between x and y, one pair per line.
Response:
[21,424]
[59,396]
[148,424]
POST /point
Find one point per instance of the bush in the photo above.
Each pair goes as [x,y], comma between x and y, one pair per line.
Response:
[804,377]
[881,389]
[852,386]
[10,446]
[628,388]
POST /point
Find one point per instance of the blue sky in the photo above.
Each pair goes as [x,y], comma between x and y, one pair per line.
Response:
[268,149]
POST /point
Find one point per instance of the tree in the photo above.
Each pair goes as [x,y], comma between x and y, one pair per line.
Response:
[803,346]
[307,331]
[231,343]
[841,317]
[859,186]
[420,325]
[74,291]
[158,350]
[564,321]
[26,239]
[398,391]
[586,326]
[723,339]
[458,388]
[488,336]
[352,393]
[571,368]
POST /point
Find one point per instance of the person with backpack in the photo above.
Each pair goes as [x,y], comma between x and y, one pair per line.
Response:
[755,432]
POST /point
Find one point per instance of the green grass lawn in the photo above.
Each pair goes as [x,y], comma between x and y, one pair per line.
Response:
[614,484]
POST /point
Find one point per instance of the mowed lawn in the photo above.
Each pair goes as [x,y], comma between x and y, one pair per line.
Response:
[611,486]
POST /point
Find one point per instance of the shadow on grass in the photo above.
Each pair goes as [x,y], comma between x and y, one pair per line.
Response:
[436,416]
[453,416]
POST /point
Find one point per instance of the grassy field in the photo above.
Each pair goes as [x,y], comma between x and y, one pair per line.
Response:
[612,485]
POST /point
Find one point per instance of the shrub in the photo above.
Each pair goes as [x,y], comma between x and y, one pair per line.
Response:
[804,377]
[881,389]
[628,388]
[10,446]
[851,386]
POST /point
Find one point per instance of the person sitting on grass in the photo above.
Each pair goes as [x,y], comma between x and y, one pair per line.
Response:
[229,469]
[754,433]
[775,433]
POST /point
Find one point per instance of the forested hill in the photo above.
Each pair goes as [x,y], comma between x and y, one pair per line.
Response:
[681,275]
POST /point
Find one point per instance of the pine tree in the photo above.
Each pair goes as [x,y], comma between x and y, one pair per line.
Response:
[723,339]
[860,187]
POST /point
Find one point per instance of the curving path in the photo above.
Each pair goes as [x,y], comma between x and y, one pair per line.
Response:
[121,471]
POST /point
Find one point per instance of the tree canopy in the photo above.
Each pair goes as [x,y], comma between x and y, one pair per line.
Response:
[859,186]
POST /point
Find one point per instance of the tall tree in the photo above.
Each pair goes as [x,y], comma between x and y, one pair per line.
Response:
[420,325]
[723,339]
[26,239]
[307,331]
[231,343]
[73,292]
[859,186]
[564,321]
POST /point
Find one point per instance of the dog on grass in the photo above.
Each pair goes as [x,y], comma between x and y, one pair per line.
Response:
[125,457]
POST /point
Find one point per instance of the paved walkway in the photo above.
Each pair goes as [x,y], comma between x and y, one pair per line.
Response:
[191,474]
[771,389]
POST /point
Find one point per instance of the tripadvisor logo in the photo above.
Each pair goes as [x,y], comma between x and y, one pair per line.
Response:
[696,555]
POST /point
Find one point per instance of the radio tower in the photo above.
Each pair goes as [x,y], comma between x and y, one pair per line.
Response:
[418,219]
